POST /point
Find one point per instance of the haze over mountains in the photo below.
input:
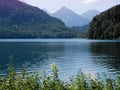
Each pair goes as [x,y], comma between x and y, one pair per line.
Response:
[90,14]
[70,18]
[20,20]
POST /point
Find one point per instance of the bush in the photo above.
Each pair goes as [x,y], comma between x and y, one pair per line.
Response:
[33,81]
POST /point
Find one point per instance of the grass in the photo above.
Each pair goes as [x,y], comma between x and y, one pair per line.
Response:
[33,81]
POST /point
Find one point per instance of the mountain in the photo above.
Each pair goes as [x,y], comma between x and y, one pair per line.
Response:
[70,18]
[20,20]
[90,14]
[46,11]
[106,25]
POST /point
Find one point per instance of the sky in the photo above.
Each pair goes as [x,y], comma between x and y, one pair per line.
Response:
[78,6]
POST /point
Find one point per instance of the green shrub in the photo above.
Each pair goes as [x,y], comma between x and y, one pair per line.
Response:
[34,81]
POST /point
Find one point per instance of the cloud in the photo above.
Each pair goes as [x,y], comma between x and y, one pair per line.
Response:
[89,1]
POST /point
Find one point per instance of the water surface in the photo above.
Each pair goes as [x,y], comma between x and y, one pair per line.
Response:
[70,55]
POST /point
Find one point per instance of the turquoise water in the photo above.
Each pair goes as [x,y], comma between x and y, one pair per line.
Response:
[70,55]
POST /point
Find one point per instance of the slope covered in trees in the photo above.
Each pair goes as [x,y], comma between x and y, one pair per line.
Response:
[20,20]
[106,25]
[82,30]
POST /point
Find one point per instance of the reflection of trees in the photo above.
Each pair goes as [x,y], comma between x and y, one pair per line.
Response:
[109,49]
[30,53]
[106,54]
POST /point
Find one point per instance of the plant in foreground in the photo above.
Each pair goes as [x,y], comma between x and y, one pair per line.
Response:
[34,81]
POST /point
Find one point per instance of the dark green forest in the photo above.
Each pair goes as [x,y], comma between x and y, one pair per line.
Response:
[106,25]
[20,20]
[81,29]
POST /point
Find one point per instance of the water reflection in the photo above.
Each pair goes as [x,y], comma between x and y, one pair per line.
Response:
[91,56]
[29,53]
[107,55]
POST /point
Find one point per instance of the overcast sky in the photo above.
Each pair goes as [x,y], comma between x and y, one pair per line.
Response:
[79,6]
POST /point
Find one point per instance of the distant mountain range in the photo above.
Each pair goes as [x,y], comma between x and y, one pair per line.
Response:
[20,20]
[90,14]
[70,18]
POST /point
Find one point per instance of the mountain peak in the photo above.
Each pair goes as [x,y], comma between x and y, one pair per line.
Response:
[69,17]
[20,20]
[64,8]
[90,14]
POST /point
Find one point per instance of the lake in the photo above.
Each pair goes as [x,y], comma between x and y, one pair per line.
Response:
[92,56]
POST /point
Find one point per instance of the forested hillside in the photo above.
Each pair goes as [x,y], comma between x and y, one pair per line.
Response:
[82,30]
[20,20]
[106,25]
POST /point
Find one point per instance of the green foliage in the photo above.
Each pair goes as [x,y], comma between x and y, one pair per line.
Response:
[34,81]
[81,30]
[106,25]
